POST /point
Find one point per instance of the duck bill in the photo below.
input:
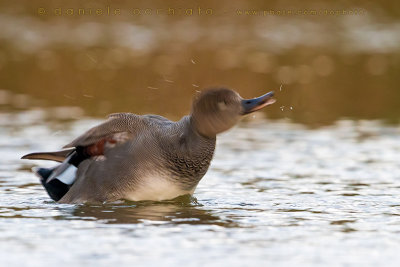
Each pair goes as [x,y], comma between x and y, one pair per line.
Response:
[251,105]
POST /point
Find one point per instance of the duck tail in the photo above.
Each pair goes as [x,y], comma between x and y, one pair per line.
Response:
[58,180]
[55,188]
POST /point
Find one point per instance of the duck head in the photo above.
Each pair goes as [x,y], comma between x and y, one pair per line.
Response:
[217,110]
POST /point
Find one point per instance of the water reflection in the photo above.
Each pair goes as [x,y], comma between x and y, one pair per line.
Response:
[133,63]
[184,210]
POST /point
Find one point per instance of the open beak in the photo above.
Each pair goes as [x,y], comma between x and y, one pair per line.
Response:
[251,105]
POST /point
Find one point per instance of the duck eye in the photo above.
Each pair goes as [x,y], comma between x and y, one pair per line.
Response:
[222,105]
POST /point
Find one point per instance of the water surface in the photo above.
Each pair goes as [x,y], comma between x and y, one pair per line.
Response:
[276,193]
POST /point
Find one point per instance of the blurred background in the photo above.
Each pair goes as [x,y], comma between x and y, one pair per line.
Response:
[326,61]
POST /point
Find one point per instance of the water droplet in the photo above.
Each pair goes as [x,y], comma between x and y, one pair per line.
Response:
[68,96]
[56,133]
[91,58]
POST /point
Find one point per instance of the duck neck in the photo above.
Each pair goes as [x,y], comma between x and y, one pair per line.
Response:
[196,127]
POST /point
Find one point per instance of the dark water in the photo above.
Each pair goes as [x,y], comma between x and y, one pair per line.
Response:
[276,193]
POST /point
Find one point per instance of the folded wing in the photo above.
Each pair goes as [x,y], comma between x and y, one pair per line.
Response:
[119,128]
[58,156]
[116,123]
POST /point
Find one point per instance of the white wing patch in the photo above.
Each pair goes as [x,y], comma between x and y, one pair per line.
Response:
[66,175]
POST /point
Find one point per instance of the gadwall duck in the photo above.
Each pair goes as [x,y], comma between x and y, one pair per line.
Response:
[144,157]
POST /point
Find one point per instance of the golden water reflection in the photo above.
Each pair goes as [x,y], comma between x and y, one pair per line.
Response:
[327,66]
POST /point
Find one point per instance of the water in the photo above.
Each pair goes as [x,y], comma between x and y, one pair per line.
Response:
[317,64]
[276,193]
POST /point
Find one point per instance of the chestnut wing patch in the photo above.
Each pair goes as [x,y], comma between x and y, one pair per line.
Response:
[98,148]
[120,123]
